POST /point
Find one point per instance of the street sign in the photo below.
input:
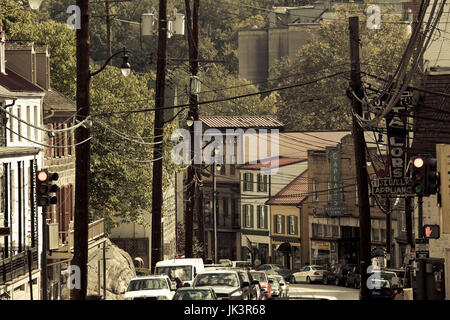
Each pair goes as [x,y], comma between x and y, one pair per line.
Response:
[5,231]
[422,248]
[392,188]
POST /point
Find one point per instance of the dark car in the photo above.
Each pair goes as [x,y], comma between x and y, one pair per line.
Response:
[337,274]
[353,278]
[276,269]
[195,294]
[382,284]
[256,291]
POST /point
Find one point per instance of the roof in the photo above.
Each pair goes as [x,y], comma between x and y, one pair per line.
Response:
[153,276]
[6,152]
[433,116]
[294,193]
[15,83]
[57,101]
[241,122]
[279,162]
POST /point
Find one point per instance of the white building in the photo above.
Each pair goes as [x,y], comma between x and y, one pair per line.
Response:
[20,156]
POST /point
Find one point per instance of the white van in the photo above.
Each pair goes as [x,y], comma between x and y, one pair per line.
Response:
[186,269]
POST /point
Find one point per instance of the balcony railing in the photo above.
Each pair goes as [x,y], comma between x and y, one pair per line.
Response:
[96,230]
[17,264]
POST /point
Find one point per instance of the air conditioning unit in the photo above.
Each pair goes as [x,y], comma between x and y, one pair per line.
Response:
[53,236]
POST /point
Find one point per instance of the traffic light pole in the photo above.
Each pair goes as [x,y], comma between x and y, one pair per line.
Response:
[421,264]
[44,276]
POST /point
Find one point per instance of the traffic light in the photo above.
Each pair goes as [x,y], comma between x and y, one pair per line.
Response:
[44,188]
[431,231]
[418,175]
[431,176]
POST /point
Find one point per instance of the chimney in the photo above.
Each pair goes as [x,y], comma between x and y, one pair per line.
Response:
[42,66]
[21,59]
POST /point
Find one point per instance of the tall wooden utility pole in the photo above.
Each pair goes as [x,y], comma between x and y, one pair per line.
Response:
[81,226]
[360,158]
[193,170]
[388,230]
[157,192]
[108,32]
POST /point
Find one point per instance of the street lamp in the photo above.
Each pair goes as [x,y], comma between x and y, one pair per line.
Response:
[34,4]
[125,68]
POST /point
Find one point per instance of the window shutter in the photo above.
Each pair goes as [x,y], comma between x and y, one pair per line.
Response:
[295,225]
[283,226]
[275,228]
[251,217]
[258,216]
[266,213]
[251,182]
[259,183]
[244,213]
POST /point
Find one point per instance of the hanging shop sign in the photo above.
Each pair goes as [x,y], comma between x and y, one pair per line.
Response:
[335,207]
[394,182]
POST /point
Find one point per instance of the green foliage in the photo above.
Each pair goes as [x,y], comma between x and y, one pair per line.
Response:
[121,180]
[323,105]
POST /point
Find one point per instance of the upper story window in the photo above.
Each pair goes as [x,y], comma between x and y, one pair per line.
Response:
[262,183]
[248,182]
[315,191]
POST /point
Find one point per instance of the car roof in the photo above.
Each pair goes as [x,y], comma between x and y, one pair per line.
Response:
[194,288]
[217,271]
[150,277]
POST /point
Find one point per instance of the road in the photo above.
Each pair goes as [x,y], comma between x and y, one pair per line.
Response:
[320,291]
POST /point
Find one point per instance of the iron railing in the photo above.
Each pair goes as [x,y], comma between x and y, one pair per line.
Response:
[14,264]
[96,230]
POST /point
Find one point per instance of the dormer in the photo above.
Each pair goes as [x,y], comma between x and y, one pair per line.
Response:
[21,59]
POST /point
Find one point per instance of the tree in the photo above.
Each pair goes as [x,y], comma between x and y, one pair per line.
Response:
[323,104]
[121,180]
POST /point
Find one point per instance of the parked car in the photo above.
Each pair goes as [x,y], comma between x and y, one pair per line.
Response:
[383,284]
[353,278]
[195,294]
[309,274]
[150,288]
[275,269]
[263,279]
[337,274]
[279,286]
[227,284]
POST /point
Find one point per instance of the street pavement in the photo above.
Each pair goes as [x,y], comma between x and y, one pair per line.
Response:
[320,291]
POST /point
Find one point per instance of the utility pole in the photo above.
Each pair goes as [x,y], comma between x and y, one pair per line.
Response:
[157,193]
[213,168]
[108,32]
[360,158]
[193,172]
[408,218]
[82,133]
[388,230]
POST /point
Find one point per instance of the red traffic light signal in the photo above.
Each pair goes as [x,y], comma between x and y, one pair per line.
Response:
[44,187]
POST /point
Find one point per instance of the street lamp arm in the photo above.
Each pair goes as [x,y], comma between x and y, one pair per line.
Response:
[91,74]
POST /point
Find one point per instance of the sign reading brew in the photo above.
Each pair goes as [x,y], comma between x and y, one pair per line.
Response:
[336,207]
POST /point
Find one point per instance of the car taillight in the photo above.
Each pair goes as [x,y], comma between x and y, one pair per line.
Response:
[316,273]
[276,271]
[387,291]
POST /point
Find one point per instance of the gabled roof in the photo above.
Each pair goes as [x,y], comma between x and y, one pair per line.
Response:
[15,83]
[280,162]
[432,122]
[235,122]
[294,193]
[57,101]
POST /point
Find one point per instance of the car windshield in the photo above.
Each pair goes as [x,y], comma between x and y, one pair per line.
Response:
[276,267]
[242,264]
[217,279]
[148,284]
[182,272]
[193,295]
[259,276]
